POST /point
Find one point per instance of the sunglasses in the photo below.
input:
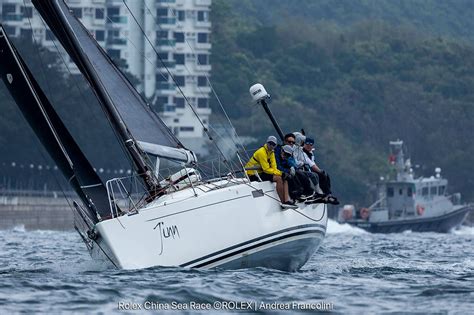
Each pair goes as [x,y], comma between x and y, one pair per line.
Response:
[271,144]
[290,142]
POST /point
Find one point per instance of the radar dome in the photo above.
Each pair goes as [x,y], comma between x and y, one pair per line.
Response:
[258,92]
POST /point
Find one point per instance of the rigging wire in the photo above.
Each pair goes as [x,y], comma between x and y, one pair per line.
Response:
[49,90]
[211,127]
[210,85]
[76,84]
[166,77]
[144,55]
[38,149]
[177,85]
[213,91]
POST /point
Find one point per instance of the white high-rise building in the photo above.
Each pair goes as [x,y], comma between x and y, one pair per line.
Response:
[179,31]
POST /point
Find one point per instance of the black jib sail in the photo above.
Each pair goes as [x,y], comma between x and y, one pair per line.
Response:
[51,131]
[129,114]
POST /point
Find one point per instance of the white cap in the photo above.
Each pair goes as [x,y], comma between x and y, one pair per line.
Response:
[272,139]
[287,149]
[299,138]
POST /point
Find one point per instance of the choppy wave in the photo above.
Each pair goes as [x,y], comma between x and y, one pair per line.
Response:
[464,230]
[19,228]
[335,227]
[354,271]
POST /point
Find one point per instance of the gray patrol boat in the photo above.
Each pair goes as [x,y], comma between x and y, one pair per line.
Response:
[408,203]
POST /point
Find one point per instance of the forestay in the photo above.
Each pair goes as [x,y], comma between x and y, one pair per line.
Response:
[112,88]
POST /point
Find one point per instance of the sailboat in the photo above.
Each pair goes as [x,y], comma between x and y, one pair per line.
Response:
[183,220]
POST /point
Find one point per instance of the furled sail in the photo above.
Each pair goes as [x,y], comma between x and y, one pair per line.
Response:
[52,133]
[129,114]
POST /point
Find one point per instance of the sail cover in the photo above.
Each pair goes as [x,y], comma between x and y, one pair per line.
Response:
[110,85]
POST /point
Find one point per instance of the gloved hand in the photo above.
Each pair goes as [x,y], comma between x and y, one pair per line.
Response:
[292,171]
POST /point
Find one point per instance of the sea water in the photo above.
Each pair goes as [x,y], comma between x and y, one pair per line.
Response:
[353,272]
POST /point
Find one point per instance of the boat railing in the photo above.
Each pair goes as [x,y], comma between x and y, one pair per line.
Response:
[127,194]
[375,209]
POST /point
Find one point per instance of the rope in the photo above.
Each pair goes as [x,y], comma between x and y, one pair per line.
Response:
[176,83]
[76,84]
[210,85]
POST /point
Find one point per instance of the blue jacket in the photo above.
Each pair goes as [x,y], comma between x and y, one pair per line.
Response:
[286,164]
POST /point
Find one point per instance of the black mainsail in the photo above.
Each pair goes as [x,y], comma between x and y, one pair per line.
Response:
[51,131]
[128,113]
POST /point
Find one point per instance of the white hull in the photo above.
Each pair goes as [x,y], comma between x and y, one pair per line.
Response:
[231,227]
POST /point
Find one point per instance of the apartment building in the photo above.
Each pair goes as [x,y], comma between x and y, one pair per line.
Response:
[171,60]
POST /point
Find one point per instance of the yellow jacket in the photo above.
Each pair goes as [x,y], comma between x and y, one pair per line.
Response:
[265,159]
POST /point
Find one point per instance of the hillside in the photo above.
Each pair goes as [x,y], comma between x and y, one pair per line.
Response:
[353,87]
[438,18]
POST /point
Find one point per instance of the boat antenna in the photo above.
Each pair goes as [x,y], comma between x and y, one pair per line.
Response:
[260,96]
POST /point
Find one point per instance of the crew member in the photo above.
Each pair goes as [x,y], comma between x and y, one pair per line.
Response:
[262,166]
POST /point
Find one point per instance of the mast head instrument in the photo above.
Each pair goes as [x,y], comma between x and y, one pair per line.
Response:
[258,93]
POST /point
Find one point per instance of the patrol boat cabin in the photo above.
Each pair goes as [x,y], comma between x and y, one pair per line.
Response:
[408,203]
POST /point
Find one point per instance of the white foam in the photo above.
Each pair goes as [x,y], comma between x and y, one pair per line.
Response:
[335,227]
[464,230]
[19,228]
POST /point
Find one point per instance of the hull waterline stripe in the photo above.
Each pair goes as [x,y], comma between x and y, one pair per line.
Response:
[256,246]
[256,240]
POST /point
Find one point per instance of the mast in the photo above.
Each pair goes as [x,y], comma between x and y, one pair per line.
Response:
[51,10]
[129,115]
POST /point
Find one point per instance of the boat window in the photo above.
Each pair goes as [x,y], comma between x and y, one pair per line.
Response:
[400,191]
[441,190]
[433,190]
[424,191]
[409,192]
[389,191]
